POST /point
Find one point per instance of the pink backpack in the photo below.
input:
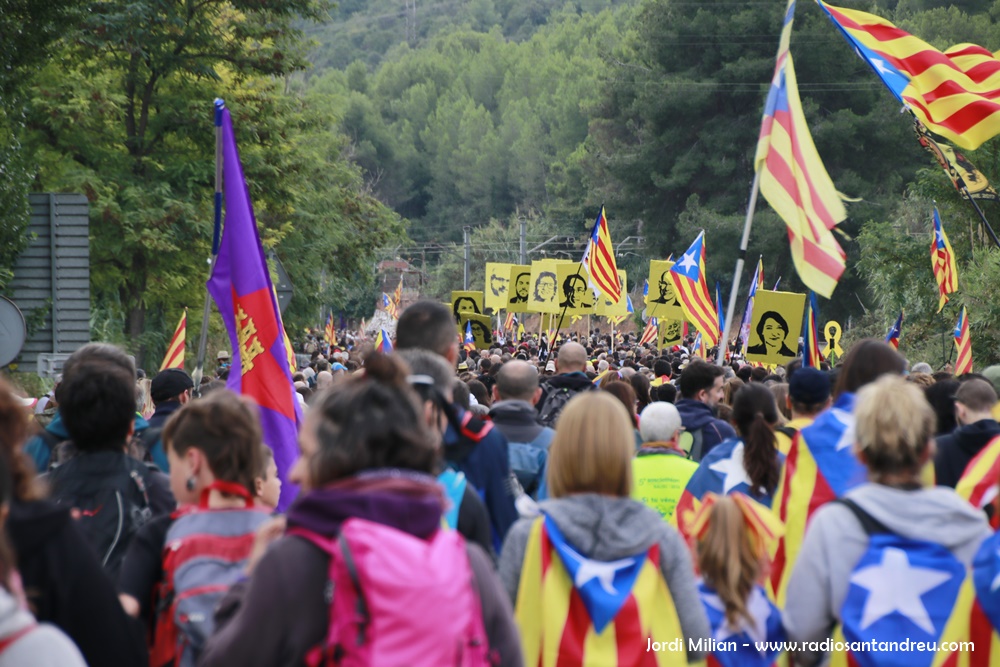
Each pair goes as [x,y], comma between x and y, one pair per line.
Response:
[399,600]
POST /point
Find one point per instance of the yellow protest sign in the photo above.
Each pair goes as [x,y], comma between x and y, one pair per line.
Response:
[833,332]
[661,302]
[497,285]
[543,287]
[481,330]
[466,302]
[608,309]
[519,288]
[774,330]
[671,333]
[575,296]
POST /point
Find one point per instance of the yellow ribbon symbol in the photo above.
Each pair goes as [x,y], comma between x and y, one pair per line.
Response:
[832,331]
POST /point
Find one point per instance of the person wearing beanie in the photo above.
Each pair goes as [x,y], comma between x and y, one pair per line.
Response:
[808,395]
[170,389]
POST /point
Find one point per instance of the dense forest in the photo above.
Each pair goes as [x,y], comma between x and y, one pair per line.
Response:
[372,129]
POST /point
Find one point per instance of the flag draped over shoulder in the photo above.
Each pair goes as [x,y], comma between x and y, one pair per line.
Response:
[963,344]
[241,287]
[174,358]
[794,180]
[943,263]
[820,467]
[892,337]
[599,260]
[978,483]
[955,94]
[692,291]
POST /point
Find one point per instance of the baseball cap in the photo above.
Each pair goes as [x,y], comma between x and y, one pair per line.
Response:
[809,386]
[169,383]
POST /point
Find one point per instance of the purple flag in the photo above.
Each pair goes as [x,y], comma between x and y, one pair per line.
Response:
[241,287]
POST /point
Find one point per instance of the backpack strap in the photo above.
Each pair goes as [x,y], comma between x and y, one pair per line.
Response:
[789,431]
[352,571]
[870,524]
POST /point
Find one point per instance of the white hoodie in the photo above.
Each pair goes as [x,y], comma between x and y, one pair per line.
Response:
[835,542]
[43,645]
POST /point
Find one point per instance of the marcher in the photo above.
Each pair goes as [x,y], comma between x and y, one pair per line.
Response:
[591,525]
[661,469]
[366,473]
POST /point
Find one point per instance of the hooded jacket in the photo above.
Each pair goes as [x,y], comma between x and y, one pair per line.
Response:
[517,420]
[281,613]
[39,448]
[956,449]
[698,416]
[65,585]
[606,528]
[835,542]
[32,644]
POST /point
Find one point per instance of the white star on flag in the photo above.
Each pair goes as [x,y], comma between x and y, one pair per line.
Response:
[733,469]
[896,586]
[688,261]
[603,571]
[847,437]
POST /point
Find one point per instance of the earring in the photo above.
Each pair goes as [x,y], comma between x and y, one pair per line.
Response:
[190,484]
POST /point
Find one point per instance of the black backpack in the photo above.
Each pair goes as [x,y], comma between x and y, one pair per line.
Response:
[107,493]
[555,401]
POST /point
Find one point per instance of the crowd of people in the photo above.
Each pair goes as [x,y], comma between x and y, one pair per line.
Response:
[599,503]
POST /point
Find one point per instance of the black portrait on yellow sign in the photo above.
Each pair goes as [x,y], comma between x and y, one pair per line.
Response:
[480,326]
[519,288]
[670,333]
[466,302]
[576,296]
[544,286]
[775,327]
[662,301]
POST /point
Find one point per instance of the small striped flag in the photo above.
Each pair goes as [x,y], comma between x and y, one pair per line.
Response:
[963,343]
[470,341]
[692,291]
[943,262]
[382,342]
[174,358]
[650,334]
[811,356]
[599,260]
[892,337]
[388,305]
[329,334]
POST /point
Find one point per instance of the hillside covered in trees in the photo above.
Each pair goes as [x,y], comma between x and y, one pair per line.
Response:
[485,113]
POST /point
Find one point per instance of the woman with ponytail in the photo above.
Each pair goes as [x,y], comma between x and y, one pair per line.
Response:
[732,536]
[748,464]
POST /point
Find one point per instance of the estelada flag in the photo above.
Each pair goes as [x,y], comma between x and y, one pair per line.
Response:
[574,611]
[978,483]
[820,467]
[174,358]
[943,262]
[241,287]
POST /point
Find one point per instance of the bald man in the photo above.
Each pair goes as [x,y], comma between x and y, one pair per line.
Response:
[514,397]
[570,380]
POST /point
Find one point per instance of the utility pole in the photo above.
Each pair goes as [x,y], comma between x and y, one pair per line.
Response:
[465,277]
[524,241]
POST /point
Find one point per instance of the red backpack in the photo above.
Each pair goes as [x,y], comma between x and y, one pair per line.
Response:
[400,600]
[205,553]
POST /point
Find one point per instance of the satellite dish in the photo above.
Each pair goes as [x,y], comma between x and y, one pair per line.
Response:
[12,331]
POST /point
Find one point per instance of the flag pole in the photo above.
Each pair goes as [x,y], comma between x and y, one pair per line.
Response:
[220,105]
[986,224]
[731,308]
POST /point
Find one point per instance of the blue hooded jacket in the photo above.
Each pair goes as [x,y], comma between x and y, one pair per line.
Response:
[698,416]
[39,448]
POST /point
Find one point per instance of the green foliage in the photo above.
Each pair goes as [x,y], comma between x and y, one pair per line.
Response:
[126,118]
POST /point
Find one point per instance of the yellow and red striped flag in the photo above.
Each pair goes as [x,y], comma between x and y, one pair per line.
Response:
[599,260]
[692,291]
[174,358]
[794,180]
[330,333]
[963,343]
[943,263]
[651,332]
[954,93]
[978,483]
[811,356]
[397,296]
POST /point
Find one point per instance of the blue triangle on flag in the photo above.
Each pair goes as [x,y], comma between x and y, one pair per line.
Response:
[603,586]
